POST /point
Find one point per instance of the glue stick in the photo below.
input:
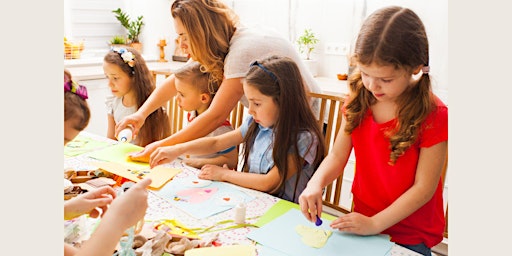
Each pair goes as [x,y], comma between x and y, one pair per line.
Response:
[240,213]
[125,135]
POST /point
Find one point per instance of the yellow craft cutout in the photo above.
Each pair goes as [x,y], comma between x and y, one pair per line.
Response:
[176,229]
[313,237]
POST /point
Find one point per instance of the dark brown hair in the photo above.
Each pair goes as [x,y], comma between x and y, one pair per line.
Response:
[286,87]
[75,107]
[393,36]
[156,125]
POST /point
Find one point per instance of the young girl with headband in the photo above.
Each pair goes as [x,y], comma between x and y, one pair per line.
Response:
[280,150]
[131,83]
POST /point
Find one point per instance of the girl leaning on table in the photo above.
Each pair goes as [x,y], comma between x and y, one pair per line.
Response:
[399,132]
[117,215]
[282,144]
[131,84]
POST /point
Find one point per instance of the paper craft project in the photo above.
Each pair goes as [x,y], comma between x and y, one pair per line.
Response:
[202,198]
[280,234]
[314,237]
[176,229]
[119,154]
[159,175]
[225,250]
[82,144]
[281,207]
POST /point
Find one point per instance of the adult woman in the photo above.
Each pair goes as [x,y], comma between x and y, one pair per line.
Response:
[211,35]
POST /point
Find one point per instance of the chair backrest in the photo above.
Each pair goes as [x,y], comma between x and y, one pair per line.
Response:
[329,120]
[443,180]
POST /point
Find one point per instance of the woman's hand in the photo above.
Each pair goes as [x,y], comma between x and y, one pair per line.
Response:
[213,172]
[310,202]
[88,202]
[144,155]
[356,223]
[135,120]
[162,155]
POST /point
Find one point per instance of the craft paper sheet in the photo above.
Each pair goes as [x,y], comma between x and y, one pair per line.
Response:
[83,144]
[202,198]
[119,154]
[280,235]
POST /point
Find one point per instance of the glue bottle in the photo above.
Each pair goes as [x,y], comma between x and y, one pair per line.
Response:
[240,213]
[125,135]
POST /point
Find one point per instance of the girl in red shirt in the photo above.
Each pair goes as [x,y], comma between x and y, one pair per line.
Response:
[398,130]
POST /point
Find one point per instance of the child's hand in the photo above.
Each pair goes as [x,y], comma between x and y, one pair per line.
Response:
[356,223]
[162,155]
[213,172]
[88,202]
[144,155]
[310,202]
[134,120]
[130,207]
[194,162]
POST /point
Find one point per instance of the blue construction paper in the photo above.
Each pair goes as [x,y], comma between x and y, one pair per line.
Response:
[280,235]
[202,201]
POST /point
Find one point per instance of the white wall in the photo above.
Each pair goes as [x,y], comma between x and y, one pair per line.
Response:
[332,21]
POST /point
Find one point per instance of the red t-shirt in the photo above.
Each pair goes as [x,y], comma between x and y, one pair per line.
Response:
[377,184]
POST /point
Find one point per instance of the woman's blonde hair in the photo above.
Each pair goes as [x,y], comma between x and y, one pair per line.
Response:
[210,24]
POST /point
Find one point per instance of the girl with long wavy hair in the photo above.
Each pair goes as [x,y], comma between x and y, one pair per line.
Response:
[398,130]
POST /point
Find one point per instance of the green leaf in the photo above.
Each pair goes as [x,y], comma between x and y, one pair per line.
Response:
[133,27]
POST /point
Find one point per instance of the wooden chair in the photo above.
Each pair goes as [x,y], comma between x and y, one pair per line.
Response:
[442,248]
[329,120]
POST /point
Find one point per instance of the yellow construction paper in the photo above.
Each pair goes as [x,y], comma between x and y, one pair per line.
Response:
[314,237]
[119,154]
[227,250]
[159,175]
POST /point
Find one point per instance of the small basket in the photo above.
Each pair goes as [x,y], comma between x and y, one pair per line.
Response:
[73,50]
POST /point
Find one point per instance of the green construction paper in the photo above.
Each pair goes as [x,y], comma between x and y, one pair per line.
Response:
[119,154]
[82,144]
[281,207]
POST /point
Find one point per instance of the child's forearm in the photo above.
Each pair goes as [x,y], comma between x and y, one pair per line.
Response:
[103,241]
[200,146]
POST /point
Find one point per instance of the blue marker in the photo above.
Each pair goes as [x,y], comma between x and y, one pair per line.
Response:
[318,221]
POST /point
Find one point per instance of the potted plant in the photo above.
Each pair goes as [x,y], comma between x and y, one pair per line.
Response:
[118,41]
[307,42]
[133,27]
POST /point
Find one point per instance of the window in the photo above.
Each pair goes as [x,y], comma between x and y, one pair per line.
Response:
[93,22]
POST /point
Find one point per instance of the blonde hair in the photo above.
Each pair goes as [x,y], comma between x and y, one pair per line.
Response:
[210,25]
[191,74]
